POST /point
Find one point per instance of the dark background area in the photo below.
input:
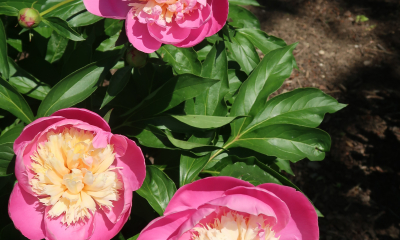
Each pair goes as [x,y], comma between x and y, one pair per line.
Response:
[357,186]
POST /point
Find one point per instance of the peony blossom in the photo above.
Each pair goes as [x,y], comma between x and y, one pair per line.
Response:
[75,178]
[149,23]
[226,208]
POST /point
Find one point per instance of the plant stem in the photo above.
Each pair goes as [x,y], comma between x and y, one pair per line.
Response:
[55,6]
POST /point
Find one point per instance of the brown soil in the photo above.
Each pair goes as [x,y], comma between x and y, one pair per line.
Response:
[357,186]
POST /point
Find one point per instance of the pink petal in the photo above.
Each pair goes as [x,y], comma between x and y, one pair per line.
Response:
[245,204]
[139,35]
[165,227]
[201,214]
[23,163]
[104,229]
[123,204]
[32,129]
[120,145]
[108,8]
[27,213]
[202,191]
[195,37]
[196,18]
[302,212]
[281,210]
[55,230]
[220,9]
[133,165]
[171,34]
[85,116]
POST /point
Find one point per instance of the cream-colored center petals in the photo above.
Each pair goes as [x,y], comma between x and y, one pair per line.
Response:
[74,177]
[234,226]
[163,11]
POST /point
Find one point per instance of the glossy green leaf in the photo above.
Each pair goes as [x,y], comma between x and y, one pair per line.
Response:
[11,135]
[8,11]
[109,44]
[188,145]
[15,43]
[172,93]
[108,115]
[269,75]
[4,69]
[65,11]
[19,4]
[12,101]
[134,237]
[261,40]
[243,51]
[56,47]
[203,121]
[83,19]
[73,89]
[215,66]
[182,60]
[6,156]
[117,84]
[245,2]
[26,83]
[157,189]
[62,28]
[147,135]
[112,26]
[190,166]
[286,141]
[252,174]
[303,107]
[242,18]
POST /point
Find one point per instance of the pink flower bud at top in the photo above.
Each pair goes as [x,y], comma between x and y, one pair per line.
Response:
[136,58]
[29,18]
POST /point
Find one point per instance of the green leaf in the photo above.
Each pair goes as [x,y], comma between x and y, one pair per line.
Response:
[19,4]
[190,166]
[62,28]
[188,145]
[182,60]
[11,135]
[108,115]
[203,121]
[157,189]
[244,2]
[286,141]
[148,135]
[10,232]
[65,11]
[6,156]
[4,68]
[134,237]
[215,66]
[83,19]
[242,18]
[15,43]
[303,107]
[8,11]
[12,101]
[109,44]
[269,75]
[117,84]
[172,93]
[112,26]
[266,43]
[252,174]
[56,47]
[243,52]
[73,89]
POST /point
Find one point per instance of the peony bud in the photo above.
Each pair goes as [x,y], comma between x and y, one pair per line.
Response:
[29,18]
[136,58]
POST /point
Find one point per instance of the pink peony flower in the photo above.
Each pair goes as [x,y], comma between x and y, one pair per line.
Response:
[75,178]
[149,23]
[222,208]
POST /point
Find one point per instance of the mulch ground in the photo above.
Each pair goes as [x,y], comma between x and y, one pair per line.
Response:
[357,186]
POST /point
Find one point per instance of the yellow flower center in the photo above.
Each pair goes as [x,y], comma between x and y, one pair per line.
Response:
[234,226]
[72,176]
[163,11]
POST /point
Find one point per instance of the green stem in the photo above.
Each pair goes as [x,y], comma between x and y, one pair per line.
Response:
[55,6]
